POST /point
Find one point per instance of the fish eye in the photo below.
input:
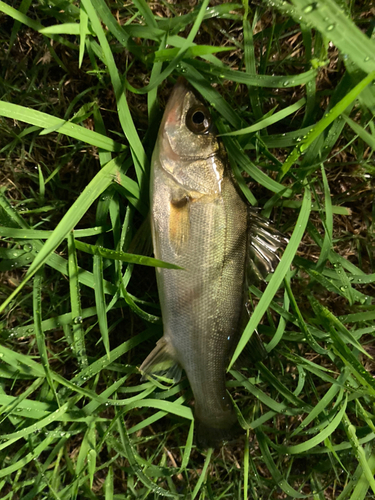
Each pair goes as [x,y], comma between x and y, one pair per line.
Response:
[198,120]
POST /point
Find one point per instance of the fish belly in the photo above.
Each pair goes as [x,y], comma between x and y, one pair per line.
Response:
[202,303]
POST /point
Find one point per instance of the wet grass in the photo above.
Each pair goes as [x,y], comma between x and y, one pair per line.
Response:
[82,90]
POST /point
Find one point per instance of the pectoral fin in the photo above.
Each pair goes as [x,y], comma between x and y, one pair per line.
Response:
[179,223]
[161,363]
[264,242]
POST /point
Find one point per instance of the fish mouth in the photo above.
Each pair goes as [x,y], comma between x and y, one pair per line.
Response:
[174,109]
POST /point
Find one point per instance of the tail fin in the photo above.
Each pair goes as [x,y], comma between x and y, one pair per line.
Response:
[208,436]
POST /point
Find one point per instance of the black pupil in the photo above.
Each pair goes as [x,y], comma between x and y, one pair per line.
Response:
[198,117]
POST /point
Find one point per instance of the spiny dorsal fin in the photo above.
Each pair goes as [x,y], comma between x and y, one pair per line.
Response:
[264,242]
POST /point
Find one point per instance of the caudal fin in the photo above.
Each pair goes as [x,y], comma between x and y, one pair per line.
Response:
[208,436]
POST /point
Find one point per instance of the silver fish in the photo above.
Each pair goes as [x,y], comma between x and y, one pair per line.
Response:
[201,223]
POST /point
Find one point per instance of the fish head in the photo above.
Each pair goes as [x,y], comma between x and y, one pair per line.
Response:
[188,148]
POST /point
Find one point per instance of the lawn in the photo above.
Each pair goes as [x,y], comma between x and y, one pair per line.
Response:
[291,86]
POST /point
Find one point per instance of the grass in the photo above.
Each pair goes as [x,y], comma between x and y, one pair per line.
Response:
[82,90]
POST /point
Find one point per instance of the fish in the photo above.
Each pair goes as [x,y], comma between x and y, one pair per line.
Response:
[201,222]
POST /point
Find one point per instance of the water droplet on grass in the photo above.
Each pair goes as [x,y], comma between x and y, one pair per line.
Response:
[310,8]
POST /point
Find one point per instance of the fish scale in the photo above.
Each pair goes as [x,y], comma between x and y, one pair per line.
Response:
[201,223]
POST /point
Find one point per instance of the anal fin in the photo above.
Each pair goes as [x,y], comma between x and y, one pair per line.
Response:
[160,363]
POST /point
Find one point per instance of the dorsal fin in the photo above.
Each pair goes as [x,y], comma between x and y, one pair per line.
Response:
[264,242]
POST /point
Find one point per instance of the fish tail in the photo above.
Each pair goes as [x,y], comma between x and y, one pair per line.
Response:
[208,436]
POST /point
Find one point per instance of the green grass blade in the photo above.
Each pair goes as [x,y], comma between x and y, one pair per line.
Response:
[329,18]
[276,475]
[122,256]
[45,121]
[98,184]
[75,304]
[328,118]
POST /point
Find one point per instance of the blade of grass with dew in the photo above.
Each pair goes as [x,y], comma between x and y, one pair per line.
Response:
[202,477]
[282,323]
[342,349]
[75,305]
[139,155]
[281,388]
[176,61]
[131,457]
[328,118]
[30,369]
[359,451]
[267,81]
[19,16]
[167,406]
[104,362]
[163,55]
[328,225]
[42,234]
[360,131]
[301,322]
[9,438]
[39,334]
[26,459]
[108,484]
[330,319]
[323,403]
[23,8]
[44,121]
[92,455]
[362,486]
[335,209]
[260,395]
[122,256]
[65,29]
[80,463]
[10,403]
[280,115]
[249,59]
[333,256]
[97,185]
[188,448]
[238,156]
[278,276]
[330,19]
[100,300]
[313,442]
[275,473]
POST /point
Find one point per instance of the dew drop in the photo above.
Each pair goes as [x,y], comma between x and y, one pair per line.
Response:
[331,27]
[310,8]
